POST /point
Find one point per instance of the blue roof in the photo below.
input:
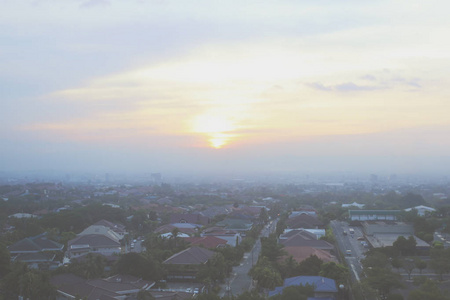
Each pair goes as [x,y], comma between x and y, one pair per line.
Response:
[321,284]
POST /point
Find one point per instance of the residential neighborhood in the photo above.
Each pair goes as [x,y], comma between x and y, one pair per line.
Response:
[155,242]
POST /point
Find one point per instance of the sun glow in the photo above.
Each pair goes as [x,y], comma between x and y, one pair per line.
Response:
[217,128]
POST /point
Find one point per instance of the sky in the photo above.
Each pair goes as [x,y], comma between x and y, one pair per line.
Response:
[225,86]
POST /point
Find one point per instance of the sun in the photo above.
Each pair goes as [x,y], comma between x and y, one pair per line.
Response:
[217,129]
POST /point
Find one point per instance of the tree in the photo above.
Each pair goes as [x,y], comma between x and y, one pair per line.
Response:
[405,246]
[310,266]
[428,290]
[5,260]
[216,269]
[265,273]
[397,263]
[420,264]
[440,261]
[408,266]
[270,248]
[137,265]
[383,281]
[263,216]
[334,271]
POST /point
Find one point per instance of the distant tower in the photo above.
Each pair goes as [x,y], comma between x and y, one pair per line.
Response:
[373,177]
[107,177]
[156,177]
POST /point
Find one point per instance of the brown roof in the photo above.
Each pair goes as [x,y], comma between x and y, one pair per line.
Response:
[210,242]
[190,256]
[303,240]
[301,253]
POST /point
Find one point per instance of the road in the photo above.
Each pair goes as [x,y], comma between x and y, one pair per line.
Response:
[240,282]
[350,242]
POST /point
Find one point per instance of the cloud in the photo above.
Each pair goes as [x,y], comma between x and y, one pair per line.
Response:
[369,77]
[95,3]
[344,87]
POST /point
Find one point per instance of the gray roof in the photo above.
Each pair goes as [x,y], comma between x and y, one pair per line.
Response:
[104,289]
[190,256]
[94,240]
[35,244]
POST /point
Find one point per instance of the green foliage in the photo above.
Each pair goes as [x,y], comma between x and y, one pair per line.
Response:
[162,248]
[216,269]
[31,284]
[338,272]
[270,248]
[295,293]
[394,297]
[310,266]
[405,246]
[253,295]
[263,216]
[137,265]
[428,290]
[5,260]
[420,264]
[382,280]
[440,261]
[375,259]
[89,266]
[266,274]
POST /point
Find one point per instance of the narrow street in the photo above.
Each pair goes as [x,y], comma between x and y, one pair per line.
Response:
[240,282]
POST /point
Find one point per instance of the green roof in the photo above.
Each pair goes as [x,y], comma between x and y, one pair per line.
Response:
[374,212]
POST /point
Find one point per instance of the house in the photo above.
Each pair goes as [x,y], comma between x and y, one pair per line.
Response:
[323,287]
[236,224]
[304,221]
[300,253]
[209,242]
[186,228]
[70,286]
[291,232]
[93,243]
[304,210]
[422,210]
[117,228]
[185,265]
[37,251]
[232,237]
[100,229]
[189,218]
[306,239]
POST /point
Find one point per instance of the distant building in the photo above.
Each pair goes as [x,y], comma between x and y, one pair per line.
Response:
[422,210]
[366,215]
[385,233]
[354,204]
[37,252]
[186,264]
[22,216]
[324,288]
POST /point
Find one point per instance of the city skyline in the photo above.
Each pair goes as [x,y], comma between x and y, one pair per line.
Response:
[225,86]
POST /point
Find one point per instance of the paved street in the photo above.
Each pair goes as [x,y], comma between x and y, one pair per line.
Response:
[239,282]
[350,242]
